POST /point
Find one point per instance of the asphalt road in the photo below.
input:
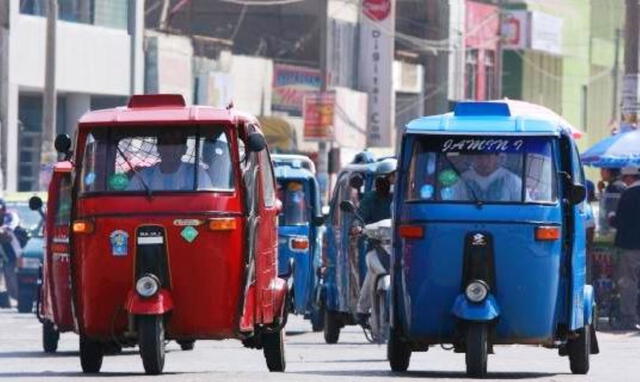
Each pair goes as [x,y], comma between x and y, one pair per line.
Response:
[308,359]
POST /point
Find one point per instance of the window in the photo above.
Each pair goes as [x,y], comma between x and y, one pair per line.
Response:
[296,202]
[157,159]
[490,74]
[471,72]
[267,178]
[482,169]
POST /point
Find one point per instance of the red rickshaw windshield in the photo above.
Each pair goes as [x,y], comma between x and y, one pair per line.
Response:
[482,169]
[157,159]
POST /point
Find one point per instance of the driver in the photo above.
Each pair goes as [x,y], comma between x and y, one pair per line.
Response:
[374,207]
[488,181]
[171,173]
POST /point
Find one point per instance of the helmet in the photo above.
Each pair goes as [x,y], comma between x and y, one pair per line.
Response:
[363,157]
[387,166]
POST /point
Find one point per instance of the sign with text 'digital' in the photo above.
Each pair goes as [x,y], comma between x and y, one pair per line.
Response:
[376,69]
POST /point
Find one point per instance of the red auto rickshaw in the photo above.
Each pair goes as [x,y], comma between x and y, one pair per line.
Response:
[164,217]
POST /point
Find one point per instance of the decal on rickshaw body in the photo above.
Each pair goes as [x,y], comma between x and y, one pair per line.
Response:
[119,242]
[150,237]
[189,233]
[187,222]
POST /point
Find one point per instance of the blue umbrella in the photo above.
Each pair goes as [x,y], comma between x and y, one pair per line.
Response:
[620,150]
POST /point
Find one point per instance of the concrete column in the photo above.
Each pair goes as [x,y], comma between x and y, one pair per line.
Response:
[136,34]
[4,86]
[76,105]
[11,179]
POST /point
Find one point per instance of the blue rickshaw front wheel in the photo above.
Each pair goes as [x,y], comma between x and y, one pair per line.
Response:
[476,353]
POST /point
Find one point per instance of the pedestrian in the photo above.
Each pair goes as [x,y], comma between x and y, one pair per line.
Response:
[626,220]
[610,188]
[10,250]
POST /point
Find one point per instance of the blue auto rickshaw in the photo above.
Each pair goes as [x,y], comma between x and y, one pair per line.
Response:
[300,233]
[344,266]
[489,238]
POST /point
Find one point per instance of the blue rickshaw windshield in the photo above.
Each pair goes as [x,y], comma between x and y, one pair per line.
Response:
[295,203]
[472,169]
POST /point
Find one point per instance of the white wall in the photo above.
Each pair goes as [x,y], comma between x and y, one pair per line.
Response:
[89,59]
[252,79]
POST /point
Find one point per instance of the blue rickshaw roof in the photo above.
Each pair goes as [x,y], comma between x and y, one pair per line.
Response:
[487,118]
[287,172]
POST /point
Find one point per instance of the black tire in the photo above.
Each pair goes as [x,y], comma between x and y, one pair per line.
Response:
[50,337]
[331,327]
[25,300]
[187,345]
[477,347]
[398,352]
[4,300]
[579,350]
[317,319]
[91,354]
[273,349]
[151,343]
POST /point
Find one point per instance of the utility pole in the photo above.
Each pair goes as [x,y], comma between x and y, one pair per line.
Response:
[630,104]
[323,147]
[615,110]
[48,155]
[497,83]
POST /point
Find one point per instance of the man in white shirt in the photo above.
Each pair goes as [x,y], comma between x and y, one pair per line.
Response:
[488,181]
[171,173]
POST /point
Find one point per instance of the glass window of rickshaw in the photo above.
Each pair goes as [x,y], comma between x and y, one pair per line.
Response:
[63,208]
[296,202]
[163,159]
[485,169]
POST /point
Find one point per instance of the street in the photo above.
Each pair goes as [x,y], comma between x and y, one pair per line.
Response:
[308,359]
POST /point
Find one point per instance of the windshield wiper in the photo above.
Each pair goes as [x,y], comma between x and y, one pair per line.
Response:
[457,171]
[135,172]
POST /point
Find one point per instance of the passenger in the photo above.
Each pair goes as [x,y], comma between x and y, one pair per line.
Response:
[610,187]
[375,206]
[488,181]
[171,173]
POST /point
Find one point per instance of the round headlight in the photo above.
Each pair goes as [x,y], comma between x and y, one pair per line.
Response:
[476,291]
[147,285]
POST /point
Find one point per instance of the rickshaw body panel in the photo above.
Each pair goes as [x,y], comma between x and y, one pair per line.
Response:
[539,285]
[201,310]
[305,262]
[56,298]
[526,290]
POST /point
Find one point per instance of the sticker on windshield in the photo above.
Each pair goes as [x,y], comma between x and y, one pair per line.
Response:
[426,191]
[448,178]
[446,193]
[119,242]
[90,178]
[118,182]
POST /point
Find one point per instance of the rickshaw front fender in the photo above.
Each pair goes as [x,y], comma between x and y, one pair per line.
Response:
[486,310]
[589,304]
[160,303]
[280,291]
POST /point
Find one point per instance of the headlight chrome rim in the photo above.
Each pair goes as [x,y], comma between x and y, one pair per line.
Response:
[476,291]
[147,285]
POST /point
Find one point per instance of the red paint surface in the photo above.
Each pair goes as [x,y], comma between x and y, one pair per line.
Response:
[481,32]
[377,10]
[160,303]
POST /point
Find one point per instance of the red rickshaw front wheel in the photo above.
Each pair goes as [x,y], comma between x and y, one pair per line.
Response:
[91,354]
[151,343]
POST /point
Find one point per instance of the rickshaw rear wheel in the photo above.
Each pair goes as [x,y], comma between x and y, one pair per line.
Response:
[476,353]
[331,327]
[187,344]
[273,349]
[398,352]
[50,337]
[91,354]
[579,350]
[151,343]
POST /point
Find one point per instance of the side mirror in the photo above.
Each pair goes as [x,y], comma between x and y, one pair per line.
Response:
[278,205]
[577,193]
[256,142]
[35,203]
[347,206]
[318,221]
[62,143]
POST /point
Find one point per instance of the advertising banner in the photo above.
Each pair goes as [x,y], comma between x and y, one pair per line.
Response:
[319,109]
[515,30]
[376,69]
[290,83]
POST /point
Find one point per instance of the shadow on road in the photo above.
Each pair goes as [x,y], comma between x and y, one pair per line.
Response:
[38,354]
[54,374]
[422,374]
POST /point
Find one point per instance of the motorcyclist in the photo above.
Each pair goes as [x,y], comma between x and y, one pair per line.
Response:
[10,250]
[374,207]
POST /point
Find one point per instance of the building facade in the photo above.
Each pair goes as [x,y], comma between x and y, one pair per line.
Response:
[99,63]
